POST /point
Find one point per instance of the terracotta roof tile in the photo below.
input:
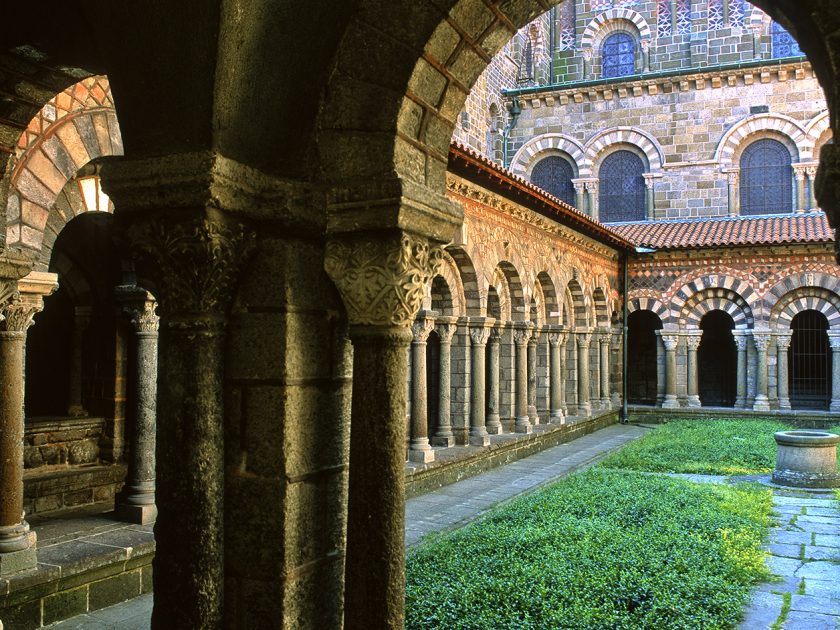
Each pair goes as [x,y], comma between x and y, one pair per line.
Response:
[808,227]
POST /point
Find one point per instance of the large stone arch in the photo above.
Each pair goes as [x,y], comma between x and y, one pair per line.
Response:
[468,280]
[548,288]
[806,298]
[580,304]
[711,299]
[649,304]
[547,144]
[450,275]
[819,132]
[612,20]
[600,304]
[499,284]
[644,141]
[738,286]
[518,299]
[759,125]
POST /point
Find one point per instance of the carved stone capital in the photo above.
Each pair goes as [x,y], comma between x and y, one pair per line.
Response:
[740,342]
[670,342]
[446,327]
[422,327]
[692,340]
[196,263]
[762,341]
[480,328]
[583,339]
[496,333]
[522,333]
[381,278]
[557,336]
[21,301]
[783,341]
[834,341]
[140,305]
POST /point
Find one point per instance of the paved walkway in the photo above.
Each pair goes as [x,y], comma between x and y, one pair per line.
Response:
[805,553]
[442,509]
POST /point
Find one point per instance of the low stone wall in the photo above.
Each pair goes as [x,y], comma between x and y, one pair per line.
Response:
[798,418]
[461,462]
[47,490]
[62,441]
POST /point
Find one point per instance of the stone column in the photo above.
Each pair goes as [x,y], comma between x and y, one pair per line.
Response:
[19,302]
[533,415]
[811,172]
[592,198]
[494,421]
[692,342]
[670,342]
[762,342]
[195,257]
[604,341]
[645,46]
[556,337]
[617,363]
[583,404]
[800,192]
[782,346]
[580,195]
[733,190]
[650,199]
[586,53]
[382,277]
[595,375]
[445,327]
[741,382]
[834,341]
[479,334]
[521,335]
[419,449]
[75,407]
[571,392]
[136,503]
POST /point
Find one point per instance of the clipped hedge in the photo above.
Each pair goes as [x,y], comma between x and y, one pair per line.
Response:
[600,549]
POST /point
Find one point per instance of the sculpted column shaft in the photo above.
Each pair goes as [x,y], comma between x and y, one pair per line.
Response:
[521,335]
[555,339]
[604,341]
[782,346]
[801,191]
[834,340]
[533,415]
[741,382]
[195,261]
[692,343]
[479,333]
[17,543]
[381,277]
[445,328]
[762,342]
[419,449]
[494,422]
[595,383]
[137,502]
[670,342]
[584,408]
[82,319]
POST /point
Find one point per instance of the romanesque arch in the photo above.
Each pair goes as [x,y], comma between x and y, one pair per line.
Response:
[801,299]
[468,279]
[547,144]
[727,285]
[613,20]
[518,299]
[601,308]
[499,291]
[579,303]
[601,142]
[716,299]
[649,304]
[549,293]
[448,279]
[761,125]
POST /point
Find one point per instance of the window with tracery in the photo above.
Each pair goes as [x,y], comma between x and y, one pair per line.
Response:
[784,45]
[766,178]
[599,5]
[663,18]
[738,11]
[621,188]
[618,56]
[554,175]
[683,17]
[716,20]
[566,25]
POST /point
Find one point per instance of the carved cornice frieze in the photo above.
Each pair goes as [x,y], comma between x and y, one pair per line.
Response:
[381,278]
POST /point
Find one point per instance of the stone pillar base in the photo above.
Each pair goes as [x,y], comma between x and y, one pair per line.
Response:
[740,403]
[605,404]
[16,561]
[784,403]
[139,514]
[494,425]
[423,456]
[835,406]
[479,439]
[77,411]
[557,417]
[670,402]
[694,401]
[445,441]
[762,403]
[533,416]
[523,425]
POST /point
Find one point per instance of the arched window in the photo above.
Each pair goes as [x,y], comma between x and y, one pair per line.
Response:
[621,188]
[717,360]
[554,175]
[810,361]
[784,45]
[766,178]
[618,56]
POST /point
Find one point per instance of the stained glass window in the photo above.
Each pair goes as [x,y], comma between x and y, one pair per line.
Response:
[784,45]
[766,178]
[567,25]
[618,57]
[599,5]
[683,17]
[663,18]
[554,175]
[621,188]
[716,14]
[738,12]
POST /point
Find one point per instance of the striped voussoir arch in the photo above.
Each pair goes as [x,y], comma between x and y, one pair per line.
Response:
[612,16]
[821,300]
[547,144]
[649,304]
[626,135]
[716,299]
[784,125]
[799,279]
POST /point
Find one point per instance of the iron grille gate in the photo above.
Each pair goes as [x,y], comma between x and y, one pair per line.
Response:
[810,361]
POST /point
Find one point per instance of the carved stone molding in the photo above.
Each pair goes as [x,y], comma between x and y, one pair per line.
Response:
[740,342]
[381,279]
[761,341]
[783,341]
[583,339]
[693,341]
[670,342]
[522,333]
[446,327]
[422,328]
[196,262]
[23,299]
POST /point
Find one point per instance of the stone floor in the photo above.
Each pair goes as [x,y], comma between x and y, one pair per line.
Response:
[442,509]
[805,553]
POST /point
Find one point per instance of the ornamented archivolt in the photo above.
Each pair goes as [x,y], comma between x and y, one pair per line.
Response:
[382,281]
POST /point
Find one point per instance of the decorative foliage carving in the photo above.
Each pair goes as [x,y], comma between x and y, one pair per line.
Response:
[196,262]
[18,312]
[479,334]
[421,328]
[143,316]
[382,280]
[522,334]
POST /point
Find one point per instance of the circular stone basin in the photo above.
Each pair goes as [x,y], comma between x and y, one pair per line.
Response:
[806,459]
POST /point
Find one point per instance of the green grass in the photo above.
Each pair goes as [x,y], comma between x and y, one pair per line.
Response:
[600,549]
[714,447]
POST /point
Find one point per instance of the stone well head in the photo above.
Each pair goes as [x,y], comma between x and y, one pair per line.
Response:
[806,459]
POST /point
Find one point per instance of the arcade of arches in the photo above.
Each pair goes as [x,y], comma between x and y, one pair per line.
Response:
[287,221]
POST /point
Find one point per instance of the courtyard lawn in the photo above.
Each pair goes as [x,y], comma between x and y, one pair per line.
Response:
[600,549]
[714,447]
